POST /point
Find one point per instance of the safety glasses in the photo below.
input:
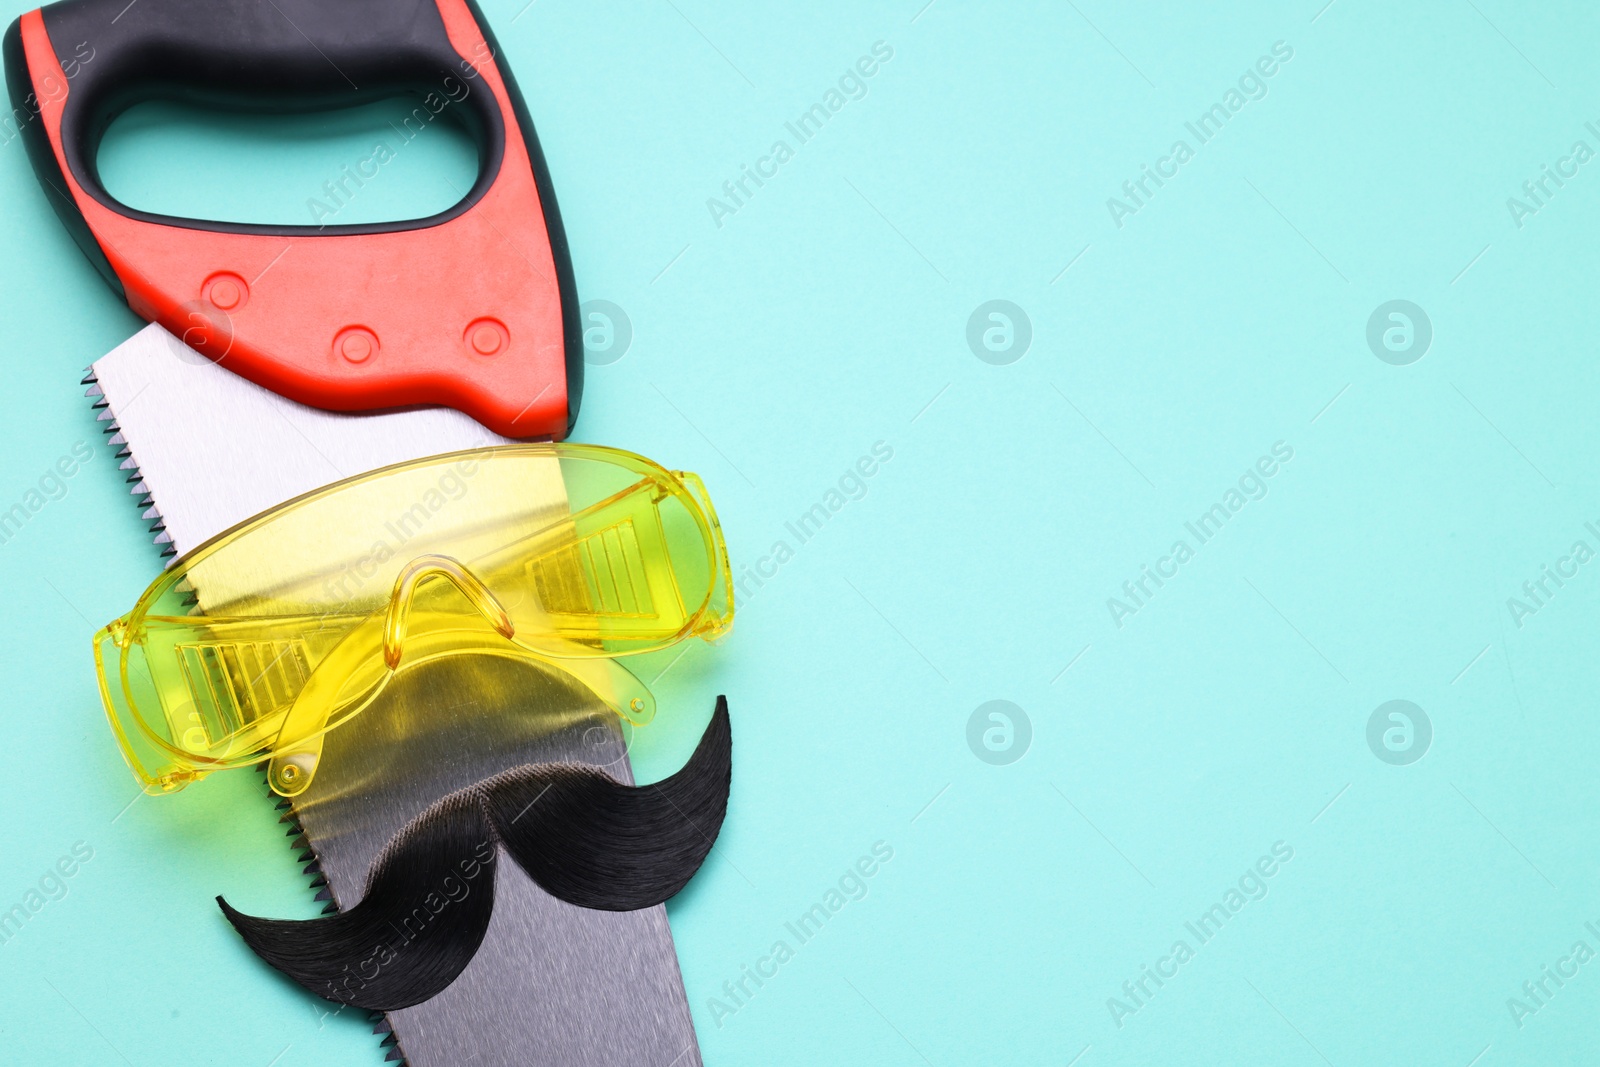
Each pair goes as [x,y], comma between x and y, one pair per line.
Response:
[257,643]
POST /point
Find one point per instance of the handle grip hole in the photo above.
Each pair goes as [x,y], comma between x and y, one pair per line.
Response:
[391,160]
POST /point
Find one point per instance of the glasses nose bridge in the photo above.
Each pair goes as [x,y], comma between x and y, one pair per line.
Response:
[420,570]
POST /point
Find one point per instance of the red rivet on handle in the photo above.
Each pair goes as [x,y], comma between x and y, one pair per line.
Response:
[487,337]
[357,344]
[226,291]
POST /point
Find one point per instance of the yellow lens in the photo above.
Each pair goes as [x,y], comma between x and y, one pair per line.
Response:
[276,631]
[633,570]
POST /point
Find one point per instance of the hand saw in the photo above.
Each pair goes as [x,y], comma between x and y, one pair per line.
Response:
[552,983]
[338,328]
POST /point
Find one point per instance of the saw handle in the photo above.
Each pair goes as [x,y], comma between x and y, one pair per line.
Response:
[508,352]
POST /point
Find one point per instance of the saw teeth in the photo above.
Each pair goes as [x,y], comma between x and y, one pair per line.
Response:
[124,451]
[324,892]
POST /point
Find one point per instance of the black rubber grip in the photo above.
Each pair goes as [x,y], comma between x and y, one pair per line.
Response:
[263,55]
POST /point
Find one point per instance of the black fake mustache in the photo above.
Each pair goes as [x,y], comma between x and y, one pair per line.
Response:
[582,836]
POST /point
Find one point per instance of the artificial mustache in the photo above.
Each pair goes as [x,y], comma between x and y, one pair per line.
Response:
[582,836]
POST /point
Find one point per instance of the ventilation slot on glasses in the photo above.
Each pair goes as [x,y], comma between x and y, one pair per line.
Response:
[602,574]
[236,684]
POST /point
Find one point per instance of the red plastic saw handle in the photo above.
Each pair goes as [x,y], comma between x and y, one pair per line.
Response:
[473,308]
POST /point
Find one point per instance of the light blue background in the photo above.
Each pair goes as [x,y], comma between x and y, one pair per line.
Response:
[829,313]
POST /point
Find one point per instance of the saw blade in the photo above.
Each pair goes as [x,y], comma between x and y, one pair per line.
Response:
[552,983]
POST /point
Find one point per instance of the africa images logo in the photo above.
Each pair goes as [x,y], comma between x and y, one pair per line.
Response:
[999,332]
[1399,332]
[1399,732]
